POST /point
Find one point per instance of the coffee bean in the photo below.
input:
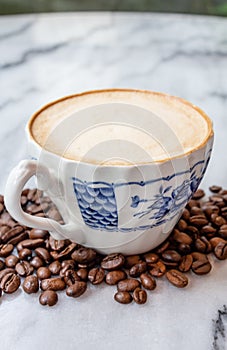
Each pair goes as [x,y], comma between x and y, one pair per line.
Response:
[198,220]
[132,260]
[137,269]
[215,188]
[123,297]
[9,234]
[199,256]
[36,262]
[220,251]
[198,194]
[192,231]
[140,296]
[158,269]
[113,261]
[223,231]
[11,261]
[49,297]
[2,264]
[215,240]
[76,289]
[43,253]
[128,285]
[23,268]
[84,255]
[184,248]
[55,284]
[181,237]
[71,277]
[161,248]
[5,250]
[171,256]
[182,225]
[54,214]
[25,254]
[66,252]
[208,230]
[43,273]
[1,207]
[151,258]
[10,283]
[55,267]
[177,278]
[185,214]
[57,245]
[147,281]
[37,233]
[218,220]
[193,203]
[83,274]
[201,267]
[31,284]
[185,263]
[30,243]
[96,275]
[19,238]
[113,277]
[5,272]
[196,211]
[210,209]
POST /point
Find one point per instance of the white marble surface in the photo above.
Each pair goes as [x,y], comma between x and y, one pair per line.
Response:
[47,56]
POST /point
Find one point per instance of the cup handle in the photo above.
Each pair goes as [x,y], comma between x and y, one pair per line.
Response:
[14,186]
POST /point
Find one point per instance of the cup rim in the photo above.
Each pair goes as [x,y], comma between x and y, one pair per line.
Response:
[207,119]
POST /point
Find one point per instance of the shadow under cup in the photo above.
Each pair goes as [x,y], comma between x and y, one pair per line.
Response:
[119,174]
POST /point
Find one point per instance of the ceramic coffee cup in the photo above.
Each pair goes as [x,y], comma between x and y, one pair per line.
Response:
[119,194]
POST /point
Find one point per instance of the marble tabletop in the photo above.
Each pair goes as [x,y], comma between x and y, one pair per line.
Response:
[43,57]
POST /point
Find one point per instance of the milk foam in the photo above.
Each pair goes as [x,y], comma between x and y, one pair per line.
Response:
[157,127]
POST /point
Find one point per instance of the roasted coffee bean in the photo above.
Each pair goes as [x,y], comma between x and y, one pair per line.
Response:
[5,272]
[83,274]
[6,219]
[217,200]
[1,207]
[193,203]
[208,230]
[200,246]
[31,284]
[43,253]
[171,256]
[192,231]
[185,214]
[96,275]
[49,297]
[55,284]
[57,245]
[215,240]
[31,194]
[76,289]
[158,269]
[198,220]
[184,248]
[2,264]
[71,277]
[9,234]
[147,281]
[198,194]
[23,268]
[201,267]
[30,243]
[25,254]
[66,252]
[199,256]
[54,214]
[161,248]
[151,258]
[123,297]
[182,225]
[67,265]
[128,285]
[181,237]
[210,209]
[55,267]
[185,263]
[23,200]
[19,238]
[6,249]
[11,261]
[84,255]
[169,264]
[220,251]
[223,231]
[113,261]
[132,260]
[113,277]
[196,211]
[177,278]
[140,296]
[37,233]
[36,262]
[87,266]
[43,273]
[10,283]
[137,269]
[218,220]
[215,188]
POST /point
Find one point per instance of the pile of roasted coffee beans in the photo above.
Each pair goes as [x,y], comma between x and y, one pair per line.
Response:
[33,259]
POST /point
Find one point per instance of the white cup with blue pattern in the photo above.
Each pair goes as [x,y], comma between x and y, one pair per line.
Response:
[119,164]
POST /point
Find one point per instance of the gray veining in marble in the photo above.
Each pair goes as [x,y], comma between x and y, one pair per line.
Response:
[44,57]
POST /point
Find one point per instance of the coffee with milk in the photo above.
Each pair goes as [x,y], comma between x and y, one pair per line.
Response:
[119,127]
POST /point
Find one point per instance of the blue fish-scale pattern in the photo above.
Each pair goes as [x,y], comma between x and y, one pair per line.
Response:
[97,204]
